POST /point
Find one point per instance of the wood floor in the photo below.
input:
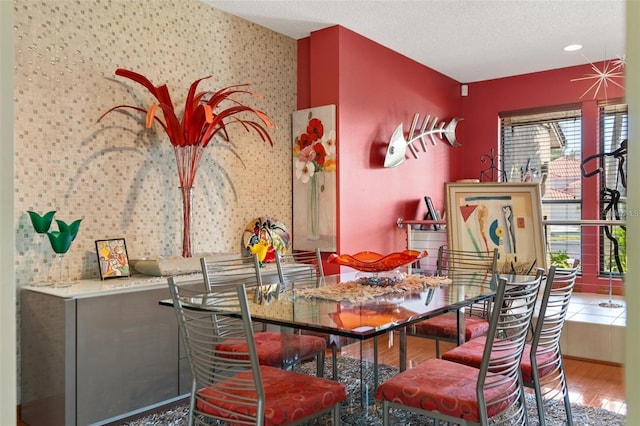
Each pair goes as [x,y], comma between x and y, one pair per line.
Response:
[594,384]
[590,383]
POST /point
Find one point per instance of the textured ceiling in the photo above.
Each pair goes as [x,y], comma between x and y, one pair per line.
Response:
[467,40]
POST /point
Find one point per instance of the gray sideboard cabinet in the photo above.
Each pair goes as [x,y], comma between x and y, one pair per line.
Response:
[97,351]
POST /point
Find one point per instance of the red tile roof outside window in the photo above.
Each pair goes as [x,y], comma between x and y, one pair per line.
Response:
[564,180]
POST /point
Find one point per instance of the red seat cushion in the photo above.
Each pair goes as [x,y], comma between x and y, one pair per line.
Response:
[446,326]
[289,396]
[470,353]
[443,386]
[270,347]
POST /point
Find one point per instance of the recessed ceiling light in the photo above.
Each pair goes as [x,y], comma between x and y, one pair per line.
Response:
[572,47]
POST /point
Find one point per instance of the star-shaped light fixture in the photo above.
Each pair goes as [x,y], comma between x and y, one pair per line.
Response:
[611,70]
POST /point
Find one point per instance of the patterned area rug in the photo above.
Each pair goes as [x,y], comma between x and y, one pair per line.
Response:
[354,414]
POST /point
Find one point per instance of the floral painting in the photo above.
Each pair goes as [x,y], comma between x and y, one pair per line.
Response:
[314,178]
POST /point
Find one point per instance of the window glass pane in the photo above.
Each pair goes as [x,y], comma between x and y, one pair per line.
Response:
[564,241]
[548,147]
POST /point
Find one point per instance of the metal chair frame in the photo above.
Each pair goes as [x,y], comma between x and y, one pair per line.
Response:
[461,261]
[451,259]
[289,266]
[247,270]
[544,354]
[545,344]
[511,315]
[289,270]
[206,322]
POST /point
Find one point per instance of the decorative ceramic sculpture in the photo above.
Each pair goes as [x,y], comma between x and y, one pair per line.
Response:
[265,231]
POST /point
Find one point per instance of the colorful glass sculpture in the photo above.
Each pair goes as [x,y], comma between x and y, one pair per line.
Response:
[368,261]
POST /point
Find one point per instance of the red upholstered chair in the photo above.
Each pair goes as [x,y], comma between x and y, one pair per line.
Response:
[307,265]
[542,367]
[236,388]
[445,327]
[459,394]
[271,348]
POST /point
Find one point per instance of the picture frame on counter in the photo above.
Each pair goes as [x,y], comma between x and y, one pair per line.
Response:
[113,261]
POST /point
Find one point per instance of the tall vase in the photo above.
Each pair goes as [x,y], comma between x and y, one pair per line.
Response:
[314,207]
[187,200]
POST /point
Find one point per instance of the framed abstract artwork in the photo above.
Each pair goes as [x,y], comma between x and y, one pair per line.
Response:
[507,216]
[314,178]
[112,258]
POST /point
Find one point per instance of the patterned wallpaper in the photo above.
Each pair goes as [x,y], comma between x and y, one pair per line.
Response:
[119,177]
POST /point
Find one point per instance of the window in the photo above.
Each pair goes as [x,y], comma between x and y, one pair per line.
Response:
[613,193]
[547,147]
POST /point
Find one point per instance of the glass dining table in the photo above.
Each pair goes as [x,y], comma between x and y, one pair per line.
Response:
[364,307]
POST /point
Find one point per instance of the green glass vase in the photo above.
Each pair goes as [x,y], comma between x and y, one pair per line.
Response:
[72,228]
[41,223]
[60,243]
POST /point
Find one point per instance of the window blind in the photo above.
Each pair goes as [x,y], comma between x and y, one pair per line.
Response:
[548,146]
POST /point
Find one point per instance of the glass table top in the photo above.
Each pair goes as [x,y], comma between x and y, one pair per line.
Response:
[378,311]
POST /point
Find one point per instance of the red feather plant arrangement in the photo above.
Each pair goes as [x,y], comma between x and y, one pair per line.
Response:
[202,119]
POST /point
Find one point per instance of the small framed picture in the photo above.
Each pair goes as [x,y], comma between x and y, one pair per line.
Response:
[112,258]
[431,212]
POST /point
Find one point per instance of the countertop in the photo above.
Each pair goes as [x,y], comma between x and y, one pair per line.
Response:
[96,287]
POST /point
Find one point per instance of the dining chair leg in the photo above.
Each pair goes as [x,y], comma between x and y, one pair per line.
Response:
[539,401]
[336,415]
[320,364]
[523,402]
[565,395]
[364,386]
[192,403]
[375,362]
[334,361]
[402,334]
[567,407]
[385,413]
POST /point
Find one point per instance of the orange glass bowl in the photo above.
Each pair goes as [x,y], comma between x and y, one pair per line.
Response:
[368,261]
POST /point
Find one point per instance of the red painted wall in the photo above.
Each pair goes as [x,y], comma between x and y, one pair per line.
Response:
[375,89]
[487,99]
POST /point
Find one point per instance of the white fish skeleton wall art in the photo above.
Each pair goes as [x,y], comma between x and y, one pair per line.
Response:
[398,144]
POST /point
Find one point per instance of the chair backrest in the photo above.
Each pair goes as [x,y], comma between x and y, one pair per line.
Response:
[508,327]
[207,322]
[242,269]
[553,311]
[238,270]
[471,264]
[300,265]
[450,260]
